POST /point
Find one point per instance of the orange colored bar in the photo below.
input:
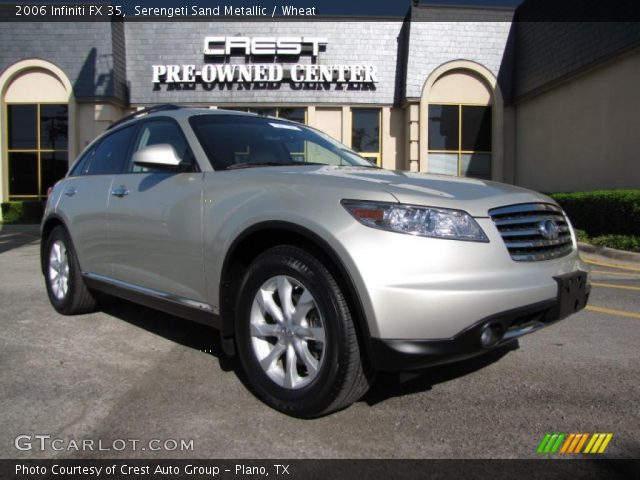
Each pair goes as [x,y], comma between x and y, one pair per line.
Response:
[574,443]
[584,439]
[567,442]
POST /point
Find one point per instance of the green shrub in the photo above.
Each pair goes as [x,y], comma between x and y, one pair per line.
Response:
[603,212]
[619,242]
[582,235]
[27,211]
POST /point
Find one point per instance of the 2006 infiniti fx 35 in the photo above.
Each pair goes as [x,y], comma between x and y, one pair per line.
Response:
[317,268]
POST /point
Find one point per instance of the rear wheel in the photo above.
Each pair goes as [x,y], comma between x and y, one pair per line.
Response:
[295,335]
[66,289]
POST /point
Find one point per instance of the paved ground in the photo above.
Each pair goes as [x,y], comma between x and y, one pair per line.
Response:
[133,373]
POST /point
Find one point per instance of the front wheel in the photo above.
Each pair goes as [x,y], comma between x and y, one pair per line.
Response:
[66,289]
[295,335]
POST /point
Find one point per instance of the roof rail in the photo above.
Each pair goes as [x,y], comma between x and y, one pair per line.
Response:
[144,111]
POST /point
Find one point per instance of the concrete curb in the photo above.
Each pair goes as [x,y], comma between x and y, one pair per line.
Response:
[609,252]
[30,229]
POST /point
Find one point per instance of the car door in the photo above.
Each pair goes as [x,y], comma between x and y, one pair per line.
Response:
[85,197]
[154,216]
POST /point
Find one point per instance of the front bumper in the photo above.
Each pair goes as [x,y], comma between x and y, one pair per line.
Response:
[403,354]
[413,287]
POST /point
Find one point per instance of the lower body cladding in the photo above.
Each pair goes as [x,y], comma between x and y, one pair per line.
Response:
[486,334]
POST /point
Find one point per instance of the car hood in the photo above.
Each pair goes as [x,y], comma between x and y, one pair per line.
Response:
[475,196]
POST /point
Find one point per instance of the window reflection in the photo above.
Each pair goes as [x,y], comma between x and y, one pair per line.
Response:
[53,127]
[365,130]
[460,140]
[295,114]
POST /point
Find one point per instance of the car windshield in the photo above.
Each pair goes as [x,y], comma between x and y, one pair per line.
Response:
[239,141]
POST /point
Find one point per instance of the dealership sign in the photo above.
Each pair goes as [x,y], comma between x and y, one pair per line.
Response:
[223,46]
[220,49]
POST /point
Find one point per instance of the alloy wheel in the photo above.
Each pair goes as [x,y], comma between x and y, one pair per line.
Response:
[59,269]
[287,332]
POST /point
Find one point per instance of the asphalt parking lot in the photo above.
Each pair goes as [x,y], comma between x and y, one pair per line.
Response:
[132,373]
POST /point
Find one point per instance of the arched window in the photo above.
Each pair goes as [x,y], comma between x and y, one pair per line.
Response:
[460,126]
[36,131]
[461,122]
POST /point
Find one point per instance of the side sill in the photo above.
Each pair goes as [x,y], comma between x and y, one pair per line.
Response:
[180,307]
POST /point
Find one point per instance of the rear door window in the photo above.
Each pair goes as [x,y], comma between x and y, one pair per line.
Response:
[81,166]
[111,155]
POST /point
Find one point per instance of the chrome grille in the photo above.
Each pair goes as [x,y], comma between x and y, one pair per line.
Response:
[533,231]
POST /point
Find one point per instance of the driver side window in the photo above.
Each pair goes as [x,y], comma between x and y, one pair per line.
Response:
[157,132]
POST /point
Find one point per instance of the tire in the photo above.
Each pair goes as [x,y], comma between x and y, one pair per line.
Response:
[306,363]
[65,286]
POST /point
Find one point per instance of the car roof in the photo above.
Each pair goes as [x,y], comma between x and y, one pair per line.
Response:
[176,111]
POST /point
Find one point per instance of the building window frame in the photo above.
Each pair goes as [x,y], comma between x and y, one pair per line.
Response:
[39,151]
[460,151]
[376,157]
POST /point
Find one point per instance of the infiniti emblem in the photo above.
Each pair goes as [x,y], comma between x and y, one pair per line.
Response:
[549,229]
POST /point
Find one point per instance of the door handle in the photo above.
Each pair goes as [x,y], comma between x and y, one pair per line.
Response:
[70,192]
[120,192]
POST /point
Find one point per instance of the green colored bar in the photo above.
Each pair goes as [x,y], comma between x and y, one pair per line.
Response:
[551,442]
[561,437]
[543,443]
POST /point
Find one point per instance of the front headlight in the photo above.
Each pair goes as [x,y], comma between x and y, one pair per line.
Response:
[414,220]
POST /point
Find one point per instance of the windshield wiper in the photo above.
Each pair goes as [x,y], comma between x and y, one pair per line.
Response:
[237,166]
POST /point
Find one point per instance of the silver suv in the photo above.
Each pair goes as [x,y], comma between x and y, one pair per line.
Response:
[317,268]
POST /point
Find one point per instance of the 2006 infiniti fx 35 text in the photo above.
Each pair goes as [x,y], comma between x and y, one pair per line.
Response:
[317,268]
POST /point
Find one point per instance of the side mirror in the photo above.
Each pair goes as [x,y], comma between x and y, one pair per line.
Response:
[160,156]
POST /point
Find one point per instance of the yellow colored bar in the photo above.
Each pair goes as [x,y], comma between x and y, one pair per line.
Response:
[590,444]
[584,439]
[613,265]
[611,285]
[596,445]
[605,443]
[616,274]
[567,442]
[612,311]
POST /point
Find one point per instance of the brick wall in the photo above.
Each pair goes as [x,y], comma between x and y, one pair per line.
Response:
[439,35]
[84,51]
[547,52]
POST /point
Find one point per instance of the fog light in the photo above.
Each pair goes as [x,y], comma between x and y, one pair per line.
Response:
[490,335]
